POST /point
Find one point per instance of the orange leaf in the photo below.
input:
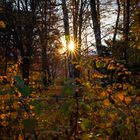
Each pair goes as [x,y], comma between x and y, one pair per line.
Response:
[127,100]
[103,94]
[121,96]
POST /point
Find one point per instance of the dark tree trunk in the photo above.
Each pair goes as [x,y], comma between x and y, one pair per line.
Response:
[80,23]
[44,36]
[76,24]
[75,20]
[116,28]
[126,27]
[26,21]
[96,24]
[25,69]
[6,61]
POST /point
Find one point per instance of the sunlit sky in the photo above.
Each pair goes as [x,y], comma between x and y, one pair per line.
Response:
[108,20]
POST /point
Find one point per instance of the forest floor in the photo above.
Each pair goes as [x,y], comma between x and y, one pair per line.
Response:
[56,88]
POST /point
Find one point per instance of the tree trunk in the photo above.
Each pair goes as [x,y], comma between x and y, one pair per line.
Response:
[44,71]
[75,13]
[25,69]
[116,28]
[67,37]
[6,61]
[126,27]
[96,24]
[80,23]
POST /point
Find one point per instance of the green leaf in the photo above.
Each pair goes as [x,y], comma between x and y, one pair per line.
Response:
[23,89]
[37,106]
[100,64]
[65,107]
[19,80]
[85,137]
[68,90]
[85,124]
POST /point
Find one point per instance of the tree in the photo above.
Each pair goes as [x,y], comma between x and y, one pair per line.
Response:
[23,19]
[95,13]
[78,15]
[49,37]
[8,45]
[67,35]
[126,24]
[77,11]
[116,26]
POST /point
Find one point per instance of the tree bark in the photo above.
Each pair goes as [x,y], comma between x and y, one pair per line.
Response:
[96,24]
[126,27]
[116,27]
[80,23]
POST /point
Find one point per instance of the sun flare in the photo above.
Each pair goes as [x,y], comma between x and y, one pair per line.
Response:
[71,46]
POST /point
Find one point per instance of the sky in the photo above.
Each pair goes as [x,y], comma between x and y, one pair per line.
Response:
[108,19]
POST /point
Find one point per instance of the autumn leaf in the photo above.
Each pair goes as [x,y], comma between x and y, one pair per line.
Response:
[3,116]
[31,107]
[20,137]
[103,94]
[111,67]
[121,96]
[2,24]
[127,100]
[78,67]
[106,103]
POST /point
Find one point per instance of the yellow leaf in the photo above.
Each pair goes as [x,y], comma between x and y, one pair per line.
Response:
[98,75]
[111,67]
[78,67]
[106,103]
[2,24]
[103,94]
[31,107]
[3,116]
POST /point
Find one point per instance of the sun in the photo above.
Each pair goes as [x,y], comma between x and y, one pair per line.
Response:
[71,46]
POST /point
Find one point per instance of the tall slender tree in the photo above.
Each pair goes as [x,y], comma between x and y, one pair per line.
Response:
[67,36]
[126,26]
[95,13]
[117,23]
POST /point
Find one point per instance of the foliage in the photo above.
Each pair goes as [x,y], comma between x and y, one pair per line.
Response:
[102,102]
[113,99]
[15,107]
